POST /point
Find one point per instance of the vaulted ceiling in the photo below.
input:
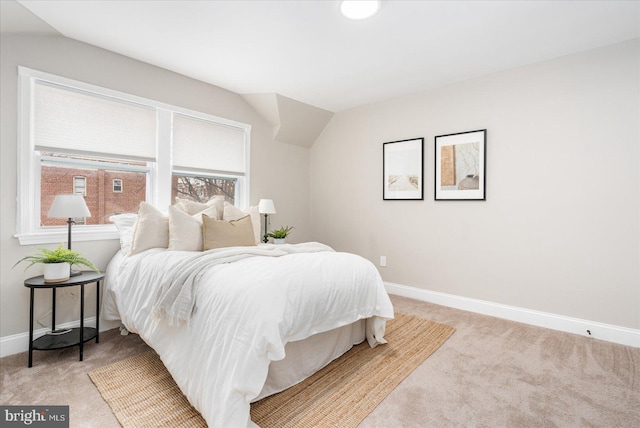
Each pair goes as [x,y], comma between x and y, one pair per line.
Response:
[307,52]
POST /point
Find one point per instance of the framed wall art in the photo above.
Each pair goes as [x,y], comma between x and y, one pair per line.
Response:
[460,166]
[403,170]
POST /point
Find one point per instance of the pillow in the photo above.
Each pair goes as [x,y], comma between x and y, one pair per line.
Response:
[125,224]
[185,231]
[220,233]
[255,221]
[232,212]
[151,230]
[193,207]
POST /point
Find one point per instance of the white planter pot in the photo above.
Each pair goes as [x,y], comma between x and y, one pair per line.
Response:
[56,272]
[278,240]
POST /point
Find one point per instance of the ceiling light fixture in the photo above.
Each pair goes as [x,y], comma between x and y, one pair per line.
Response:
[359,9]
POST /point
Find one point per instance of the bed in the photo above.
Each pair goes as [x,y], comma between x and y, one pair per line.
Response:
[238,323]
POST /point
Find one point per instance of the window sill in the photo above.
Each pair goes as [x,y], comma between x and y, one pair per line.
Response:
[59,235]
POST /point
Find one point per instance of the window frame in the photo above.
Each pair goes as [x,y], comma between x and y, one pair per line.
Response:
[121,185]
[28,229]
[84,188]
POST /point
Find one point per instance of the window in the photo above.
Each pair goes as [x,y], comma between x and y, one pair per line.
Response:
[201,188]
[208,159]
[116,150]
[92,178]
[117,185]
[80,186]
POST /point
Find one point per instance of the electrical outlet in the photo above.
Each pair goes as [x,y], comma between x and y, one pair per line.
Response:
[383,261]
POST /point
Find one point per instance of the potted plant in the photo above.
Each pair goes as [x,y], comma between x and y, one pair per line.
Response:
[279,235]
[57,263]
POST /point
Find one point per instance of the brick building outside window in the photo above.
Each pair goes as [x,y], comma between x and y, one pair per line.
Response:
[107,195]
[99,193]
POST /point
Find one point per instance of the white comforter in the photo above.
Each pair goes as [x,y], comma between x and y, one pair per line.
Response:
[241,312]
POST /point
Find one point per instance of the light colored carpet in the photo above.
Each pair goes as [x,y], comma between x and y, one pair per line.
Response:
[142,393]
[490,373]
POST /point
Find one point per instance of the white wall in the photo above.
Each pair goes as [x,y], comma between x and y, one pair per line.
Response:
[559,232]
[278,171]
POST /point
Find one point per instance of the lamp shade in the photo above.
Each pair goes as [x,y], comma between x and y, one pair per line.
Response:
[266,206]
[69,206]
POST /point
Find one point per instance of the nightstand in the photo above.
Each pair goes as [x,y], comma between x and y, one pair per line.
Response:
[67,337]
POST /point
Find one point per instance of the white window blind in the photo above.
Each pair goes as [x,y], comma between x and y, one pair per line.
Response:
[74,120]
[89,127]
[207,145]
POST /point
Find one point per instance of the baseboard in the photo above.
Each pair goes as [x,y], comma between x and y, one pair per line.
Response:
[17,343]
[597,330]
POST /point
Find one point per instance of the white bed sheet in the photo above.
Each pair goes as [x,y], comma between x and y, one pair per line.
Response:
[246,313]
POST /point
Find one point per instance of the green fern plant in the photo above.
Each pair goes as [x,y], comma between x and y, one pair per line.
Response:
[281,233]
[59,255]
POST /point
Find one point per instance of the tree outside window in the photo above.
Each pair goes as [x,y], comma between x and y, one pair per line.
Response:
[202,188]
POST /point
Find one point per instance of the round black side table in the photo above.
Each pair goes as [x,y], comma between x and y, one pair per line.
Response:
[67,337]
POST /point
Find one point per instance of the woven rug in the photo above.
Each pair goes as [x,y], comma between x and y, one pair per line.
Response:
[141,393]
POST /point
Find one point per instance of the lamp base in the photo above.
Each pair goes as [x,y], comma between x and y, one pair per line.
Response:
[75,272]
[265,238]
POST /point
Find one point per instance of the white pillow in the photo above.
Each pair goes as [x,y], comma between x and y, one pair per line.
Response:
[185,231]
[231,212]
[125,223]
[255,221]
[193,207]
[151,230]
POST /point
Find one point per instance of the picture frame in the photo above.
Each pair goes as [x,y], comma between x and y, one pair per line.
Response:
[403,170]
[460,166]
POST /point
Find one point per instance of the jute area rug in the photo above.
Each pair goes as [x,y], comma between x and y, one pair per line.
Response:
[142,393]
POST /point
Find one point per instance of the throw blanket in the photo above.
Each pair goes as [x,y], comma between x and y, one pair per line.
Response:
[176,299]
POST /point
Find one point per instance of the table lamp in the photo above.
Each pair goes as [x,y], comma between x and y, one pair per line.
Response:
[69,207]
[266,207]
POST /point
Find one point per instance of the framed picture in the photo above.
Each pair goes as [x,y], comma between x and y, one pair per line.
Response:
[402,166]
[461,166]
